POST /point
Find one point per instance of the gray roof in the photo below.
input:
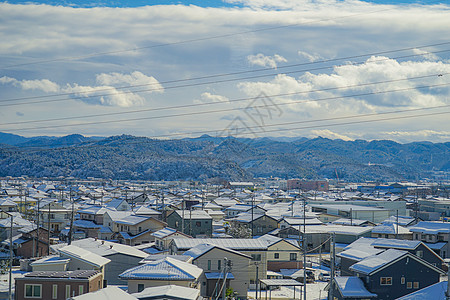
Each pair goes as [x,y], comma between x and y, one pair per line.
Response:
[200,249]
[168,292]
[235,244]
[194,214]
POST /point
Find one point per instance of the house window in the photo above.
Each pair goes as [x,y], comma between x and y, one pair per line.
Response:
[256,257]
[293,256]
[419,253]
[67,291]
[55,291]
[33,290]
[140,228]
[219,262]
[402,280]
[209,265]
[276,255]
[409,285]
[416,284]
[416,236]
[140,287]
[80,290]
[385,280]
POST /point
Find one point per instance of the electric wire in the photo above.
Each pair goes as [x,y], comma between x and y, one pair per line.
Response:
[244,72]
[205,83]
[229,109]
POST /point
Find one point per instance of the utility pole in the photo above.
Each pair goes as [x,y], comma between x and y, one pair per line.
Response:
[71,218]
[48,230]
[253,206]
[304,248]
[37,229]
[257,279]
[10,254]
[225,273]
[333,252]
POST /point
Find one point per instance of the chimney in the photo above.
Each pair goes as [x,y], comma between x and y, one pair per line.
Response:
[110,246]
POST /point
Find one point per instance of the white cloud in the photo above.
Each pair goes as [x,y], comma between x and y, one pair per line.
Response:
[323,28]
[326,133]
[44,85]
[265,61]
[102,94]
[310,57]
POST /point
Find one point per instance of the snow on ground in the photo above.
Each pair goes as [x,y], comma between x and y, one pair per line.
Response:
[4,282]
[314,291]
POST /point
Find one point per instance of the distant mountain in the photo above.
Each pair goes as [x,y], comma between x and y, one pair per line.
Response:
[44,141]
[130,157]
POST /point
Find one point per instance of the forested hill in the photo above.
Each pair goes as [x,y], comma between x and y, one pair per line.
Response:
[129,157]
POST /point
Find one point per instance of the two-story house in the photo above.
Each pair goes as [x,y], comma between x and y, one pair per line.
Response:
[210,258]
[390,275]
[434,234]
[196,223]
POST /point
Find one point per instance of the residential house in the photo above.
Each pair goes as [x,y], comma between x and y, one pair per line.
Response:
[393,273]
[161,272]
[58,214]
[58,285]
[119,205]
[434,234]
[8,205]
[81,259]
[255,248]
[282,253]
[210,258]
[136,230]
[122,256]
[257,223]
[196,223]
[391,230]
[238,208]
[163,237]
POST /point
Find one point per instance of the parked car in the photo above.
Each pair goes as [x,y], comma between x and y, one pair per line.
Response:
[324,276]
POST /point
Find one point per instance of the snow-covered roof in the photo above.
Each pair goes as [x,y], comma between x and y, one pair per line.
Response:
[107,293]
[435,291]
[390,228]
[73,251]
[50,260]
[373,263]
[132,220]
[353,222]
[358,254]
[352,287]
[168,292]
[235,244]
[164,269]
[105,248]
[397,244]
[201,249]
[402,220]
[194,214]
[428,227]
[86,224]
[165,232]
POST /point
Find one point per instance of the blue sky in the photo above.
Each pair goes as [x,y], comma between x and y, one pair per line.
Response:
[337,69]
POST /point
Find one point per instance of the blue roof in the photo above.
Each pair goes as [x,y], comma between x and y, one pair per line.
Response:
[164,269]
[218,275]
[352,287]
[86,224]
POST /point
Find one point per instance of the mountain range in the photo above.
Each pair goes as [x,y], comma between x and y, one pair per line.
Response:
[206,157]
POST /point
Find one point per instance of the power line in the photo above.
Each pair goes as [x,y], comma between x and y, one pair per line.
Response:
[316,120]
[194,40]
[228,102]
[208,82]
[244,72]
[224,110]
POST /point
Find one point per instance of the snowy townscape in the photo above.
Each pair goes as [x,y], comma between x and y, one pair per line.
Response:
[266,239]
